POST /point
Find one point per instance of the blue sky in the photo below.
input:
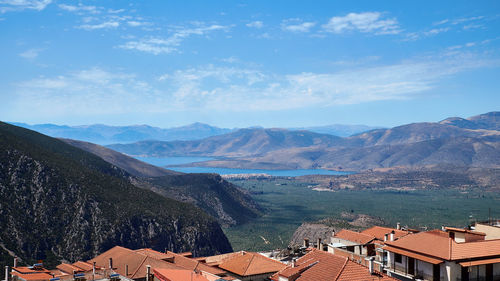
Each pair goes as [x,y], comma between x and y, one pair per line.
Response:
[245,63]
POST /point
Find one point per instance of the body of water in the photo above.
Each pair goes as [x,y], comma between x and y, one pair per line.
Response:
[171,162]
[277,173]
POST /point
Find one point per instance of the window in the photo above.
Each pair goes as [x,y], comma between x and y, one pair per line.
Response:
[398,258]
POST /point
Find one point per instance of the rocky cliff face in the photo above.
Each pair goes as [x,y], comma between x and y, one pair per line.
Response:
[58,202]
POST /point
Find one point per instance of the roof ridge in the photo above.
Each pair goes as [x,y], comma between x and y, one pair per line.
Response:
[139,267]
[246,269]
[342,269]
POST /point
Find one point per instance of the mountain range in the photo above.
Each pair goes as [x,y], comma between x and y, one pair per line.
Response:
[104,134]
[60,202]
[469,142]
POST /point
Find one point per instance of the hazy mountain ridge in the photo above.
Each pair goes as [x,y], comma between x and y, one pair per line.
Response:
[224,201]
[411,145]
[244,142]
[60,202]
[104,134]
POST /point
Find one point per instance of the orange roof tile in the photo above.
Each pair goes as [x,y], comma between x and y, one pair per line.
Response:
[438,244]
[319,265]
[464,231]
[217,259]
[479,262]
[68,268]
[379,232]
[178,275]
[85,266]
[192,264]
[33,276]
[353,236]
[413,255]
[152,253]
[136,262]
[26,269]
[248,263]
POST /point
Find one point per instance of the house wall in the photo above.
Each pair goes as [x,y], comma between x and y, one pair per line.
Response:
[496,269]
[345,242]
[453,271]
[423,269]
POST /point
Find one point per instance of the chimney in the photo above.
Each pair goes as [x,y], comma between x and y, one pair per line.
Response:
[294,262]
[398,226]
[392,235]
[320,247]
[385,237]
[15,262]
[126,270]
[110,263]
[6,273]
[148,273]
[93,271]
[306,242]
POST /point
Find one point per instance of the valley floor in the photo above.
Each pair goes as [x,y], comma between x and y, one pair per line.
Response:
[290,202]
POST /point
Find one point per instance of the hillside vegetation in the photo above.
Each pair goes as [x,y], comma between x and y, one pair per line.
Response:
[224,201]
[60,202]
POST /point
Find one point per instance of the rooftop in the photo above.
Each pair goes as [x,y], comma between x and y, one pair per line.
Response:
[438,244]
[379,232]
[249,263]
[319,265]
[354,236]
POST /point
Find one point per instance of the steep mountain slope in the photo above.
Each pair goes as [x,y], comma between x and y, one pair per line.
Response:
[129,164]
[244,142]
[488,121]
[103,134]
[60,202]
[224,201]
[410,133]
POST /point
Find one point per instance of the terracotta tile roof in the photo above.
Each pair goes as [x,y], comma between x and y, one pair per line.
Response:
[68,268]
[454,229]
[153,254]
[414,255]
[479,262]
[136,262]
[249,263]
[178,275]
[319,265]
[85,266]
[217,259]
[438,244]
[353,236]
[379,232]
[192,264]
[26,269]
[33,276]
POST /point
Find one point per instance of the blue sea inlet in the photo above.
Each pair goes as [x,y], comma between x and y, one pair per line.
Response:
[170,162]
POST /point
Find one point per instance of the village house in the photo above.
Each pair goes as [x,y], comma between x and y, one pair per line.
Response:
[450,254]
[320,265]
[246,266]
[359,246]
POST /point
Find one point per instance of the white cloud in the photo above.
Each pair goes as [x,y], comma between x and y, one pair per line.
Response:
[255,24]
[159,45]
[30,54]
[296,25]
[207,88]
[368,22]
[19,5]
[103,25]
[135,23]
[80,8]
